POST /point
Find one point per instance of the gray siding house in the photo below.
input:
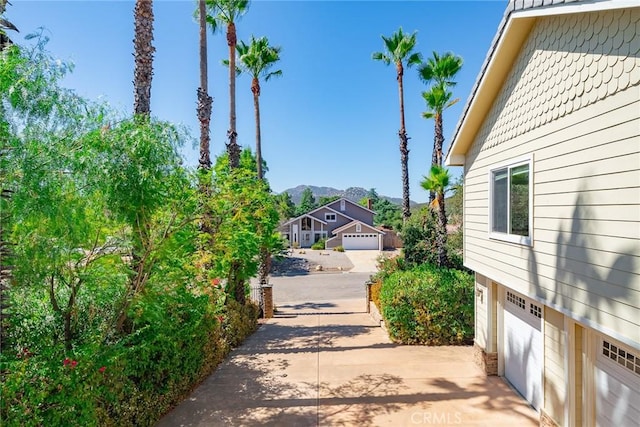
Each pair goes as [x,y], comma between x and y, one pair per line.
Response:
[550,144]
[341,223]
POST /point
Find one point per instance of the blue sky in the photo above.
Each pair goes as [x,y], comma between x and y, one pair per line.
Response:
[330,120]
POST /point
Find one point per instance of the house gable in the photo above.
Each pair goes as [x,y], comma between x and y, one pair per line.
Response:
[353,210]
[352,227]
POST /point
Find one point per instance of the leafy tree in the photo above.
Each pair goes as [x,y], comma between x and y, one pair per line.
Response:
[147,189]
[257,59]
[399,51]
[285,206]
[326,200]
[307,202]
[387,214]
[227,12]
[246,219]
[438,182]
[204,100]
[143,55]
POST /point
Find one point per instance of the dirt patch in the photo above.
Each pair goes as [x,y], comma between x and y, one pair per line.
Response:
[290,266]
[307,261]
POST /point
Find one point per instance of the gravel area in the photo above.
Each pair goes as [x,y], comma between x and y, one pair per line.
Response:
[306,261]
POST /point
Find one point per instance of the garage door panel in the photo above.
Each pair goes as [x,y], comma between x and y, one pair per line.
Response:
[523,347]
[356,241]
[617,385]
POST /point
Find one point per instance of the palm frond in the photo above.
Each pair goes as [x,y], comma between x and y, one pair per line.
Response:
[277,73]
[379,56]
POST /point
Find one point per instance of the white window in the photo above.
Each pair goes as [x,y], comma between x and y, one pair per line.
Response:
[330,217]
[510,202]
[342,205]
[358,228]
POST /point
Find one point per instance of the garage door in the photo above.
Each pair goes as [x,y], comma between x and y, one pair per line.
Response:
[617,385]
[523,346]
[360,241]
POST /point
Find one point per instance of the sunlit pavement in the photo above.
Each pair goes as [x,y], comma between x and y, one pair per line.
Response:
[324,362]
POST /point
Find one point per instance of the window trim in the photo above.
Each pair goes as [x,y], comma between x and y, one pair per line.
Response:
[327,214]
[507,237]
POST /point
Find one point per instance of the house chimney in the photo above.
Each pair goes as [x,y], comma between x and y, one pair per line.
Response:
[369,204]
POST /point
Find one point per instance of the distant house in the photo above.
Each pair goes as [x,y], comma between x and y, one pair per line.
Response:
[550,144]
[341,222]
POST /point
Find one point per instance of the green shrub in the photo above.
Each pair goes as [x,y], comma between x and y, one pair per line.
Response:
[429,305]
[338,249]
[319,245]
[178,339]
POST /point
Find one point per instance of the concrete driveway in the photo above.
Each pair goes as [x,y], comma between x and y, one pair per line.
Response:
[322,361]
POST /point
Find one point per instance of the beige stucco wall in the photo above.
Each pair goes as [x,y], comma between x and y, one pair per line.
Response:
[572,102]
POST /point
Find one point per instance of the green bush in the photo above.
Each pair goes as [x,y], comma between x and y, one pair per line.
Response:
[179,338]
[338,249]
[319,245]
[429,305]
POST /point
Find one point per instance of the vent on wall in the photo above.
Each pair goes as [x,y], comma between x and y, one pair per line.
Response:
[621,357]
[516,300]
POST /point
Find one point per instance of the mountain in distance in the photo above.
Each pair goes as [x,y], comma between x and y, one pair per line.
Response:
[351,193]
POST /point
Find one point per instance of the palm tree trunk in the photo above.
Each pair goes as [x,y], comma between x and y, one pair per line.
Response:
[232,146]
[438,141]
[204,100]
[404,150]
[255,88]
[442,231]
[143,54]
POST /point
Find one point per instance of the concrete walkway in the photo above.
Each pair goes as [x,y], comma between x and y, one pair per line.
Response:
[328,364]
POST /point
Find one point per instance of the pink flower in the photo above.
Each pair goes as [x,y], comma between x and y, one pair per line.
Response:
[215,282]
[102,369]
[66,362]
[73,364]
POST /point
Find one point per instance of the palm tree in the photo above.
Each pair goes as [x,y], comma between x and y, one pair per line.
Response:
[227,12]
[440,70]
[5,25]
[399,51]
[257,59]
[438,182]
[438,99]
[204,100]
[143,55]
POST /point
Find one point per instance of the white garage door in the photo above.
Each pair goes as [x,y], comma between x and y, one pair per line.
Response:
[523,346]
[617,385]
[360,241]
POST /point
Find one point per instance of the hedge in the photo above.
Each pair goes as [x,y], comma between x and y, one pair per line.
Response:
[429,305]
